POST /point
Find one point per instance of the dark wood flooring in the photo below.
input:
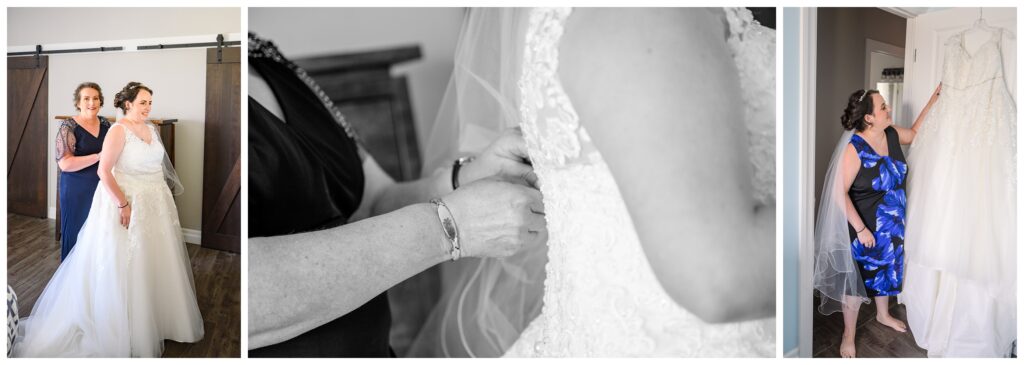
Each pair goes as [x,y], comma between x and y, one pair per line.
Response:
[873,339]
[33,256]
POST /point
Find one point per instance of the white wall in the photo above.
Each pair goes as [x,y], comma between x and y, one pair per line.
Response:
[305,32]
[177,77]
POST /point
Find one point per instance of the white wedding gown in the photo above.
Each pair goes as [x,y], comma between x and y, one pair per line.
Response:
[960,286]
[601,297]
[120,292]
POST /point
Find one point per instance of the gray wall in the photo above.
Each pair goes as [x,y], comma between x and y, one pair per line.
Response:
[842,34]
[306,32]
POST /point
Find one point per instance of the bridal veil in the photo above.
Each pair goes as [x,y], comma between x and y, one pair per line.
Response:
[836,276]
[485,303]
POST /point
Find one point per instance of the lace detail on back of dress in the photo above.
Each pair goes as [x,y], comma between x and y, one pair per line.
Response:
[601,297]
[753,48]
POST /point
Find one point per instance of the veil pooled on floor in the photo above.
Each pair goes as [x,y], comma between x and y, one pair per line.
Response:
[485,303]
[836,276]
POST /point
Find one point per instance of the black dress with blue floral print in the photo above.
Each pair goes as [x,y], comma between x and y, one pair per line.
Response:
[879,197]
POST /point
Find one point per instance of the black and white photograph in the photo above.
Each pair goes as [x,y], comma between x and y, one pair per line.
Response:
[511,182]
[123,182]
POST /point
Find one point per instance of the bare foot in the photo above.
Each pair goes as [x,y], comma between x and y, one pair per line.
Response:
[848,349]
[892,322]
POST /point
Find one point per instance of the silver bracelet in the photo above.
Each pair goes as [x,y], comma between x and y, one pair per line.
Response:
[448,226]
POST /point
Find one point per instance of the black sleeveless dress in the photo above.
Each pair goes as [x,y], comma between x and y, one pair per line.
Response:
[306,175]
[879,196]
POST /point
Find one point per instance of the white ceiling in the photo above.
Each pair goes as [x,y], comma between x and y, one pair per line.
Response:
[911,12]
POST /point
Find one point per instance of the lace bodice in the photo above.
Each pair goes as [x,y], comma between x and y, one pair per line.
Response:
[139,157]
[973,85]
[601,296]
[963,69]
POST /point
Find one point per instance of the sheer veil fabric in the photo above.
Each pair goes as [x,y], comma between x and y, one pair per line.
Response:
[835,273]
[488,306]
[486,303]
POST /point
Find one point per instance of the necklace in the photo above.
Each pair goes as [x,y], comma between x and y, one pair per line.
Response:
[264,49]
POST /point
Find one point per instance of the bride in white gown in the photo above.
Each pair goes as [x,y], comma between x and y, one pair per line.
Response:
[127,285]
[609,284]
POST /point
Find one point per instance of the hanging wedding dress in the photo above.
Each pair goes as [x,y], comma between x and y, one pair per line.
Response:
[960,288]
[597,295]
[120,292]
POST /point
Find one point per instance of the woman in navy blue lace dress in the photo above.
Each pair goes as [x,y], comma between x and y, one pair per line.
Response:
[78,144]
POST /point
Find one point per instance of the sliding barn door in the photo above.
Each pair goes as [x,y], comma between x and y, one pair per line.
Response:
[26,135]
[221,151]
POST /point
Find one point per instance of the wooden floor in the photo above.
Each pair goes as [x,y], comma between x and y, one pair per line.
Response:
[873,339]
[33,256]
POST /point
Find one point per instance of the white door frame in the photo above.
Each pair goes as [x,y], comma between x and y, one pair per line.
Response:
[805,224]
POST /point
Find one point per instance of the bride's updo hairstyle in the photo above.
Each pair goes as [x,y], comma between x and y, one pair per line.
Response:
[859,105]
[128,94]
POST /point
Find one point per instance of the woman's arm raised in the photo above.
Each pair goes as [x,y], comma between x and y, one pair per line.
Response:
[907,135]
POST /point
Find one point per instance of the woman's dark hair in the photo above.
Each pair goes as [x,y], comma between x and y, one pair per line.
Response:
[129,93]
[87,85]
[859,105]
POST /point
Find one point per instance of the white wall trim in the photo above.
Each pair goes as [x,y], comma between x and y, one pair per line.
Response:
[51,212]
[192,236]
[805,222]
[792,353]
[873,46]
[911,13]
[128,45]
[905,12]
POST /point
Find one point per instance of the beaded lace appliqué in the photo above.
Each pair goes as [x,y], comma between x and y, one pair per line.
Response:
[601,297]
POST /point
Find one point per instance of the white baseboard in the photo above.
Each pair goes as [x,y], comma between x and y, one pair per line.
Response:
[795,352]
[192,236]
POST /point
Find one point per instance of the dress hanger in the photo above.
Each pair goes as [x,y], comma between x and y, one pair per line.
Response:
[981,24]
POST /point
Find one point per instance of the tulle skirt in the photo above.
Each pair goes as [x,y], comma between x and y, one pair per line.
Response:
[120,292]
[960,289]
